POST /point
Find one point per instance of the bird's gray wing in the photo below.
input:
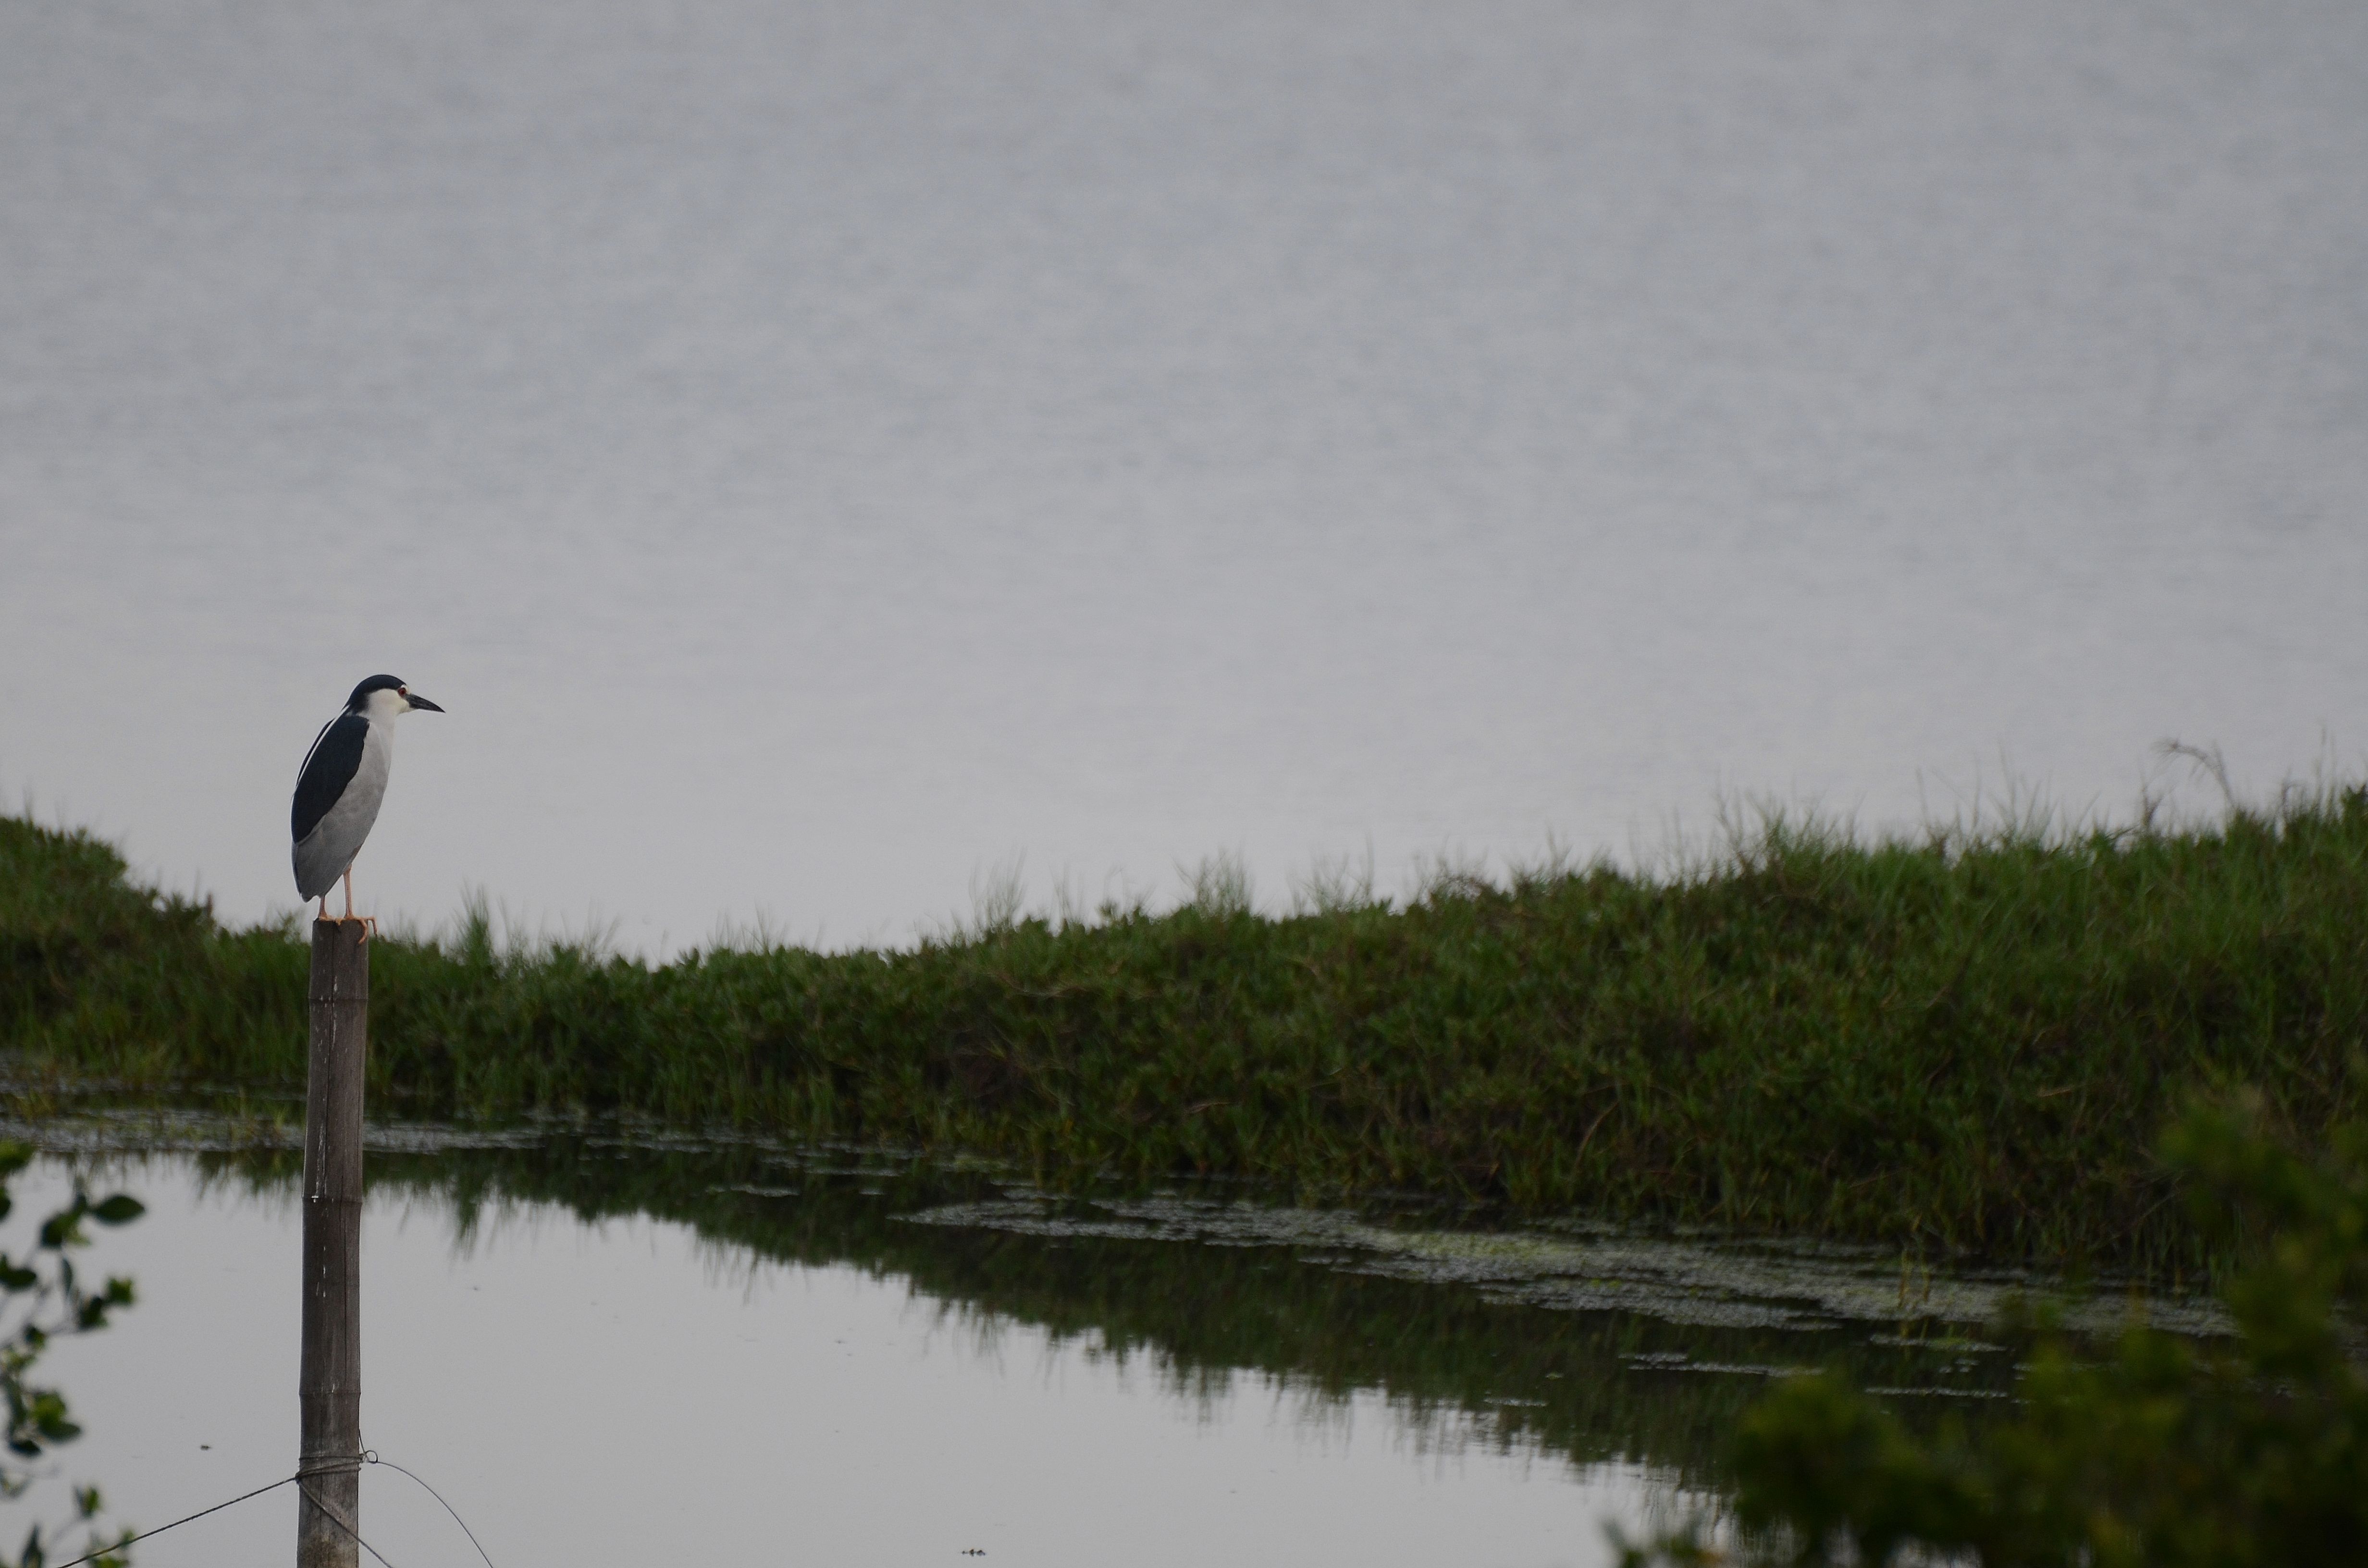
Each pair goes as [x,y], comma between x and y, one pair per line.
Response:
[329,767]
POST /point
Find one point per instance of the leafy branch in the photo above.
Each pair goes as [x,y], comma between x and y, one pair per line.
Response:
[42,1297]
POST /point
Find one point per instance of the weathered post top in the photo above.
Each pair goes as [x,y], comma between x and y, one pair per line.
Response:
[329,1379]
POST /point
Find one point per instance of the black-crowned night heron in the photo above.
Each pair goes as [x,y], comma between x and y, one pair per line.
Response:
[344,780]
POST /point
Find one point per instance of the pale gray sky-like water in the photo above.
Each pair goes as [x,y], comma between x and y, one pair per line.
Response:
[818,452]
[621,1392]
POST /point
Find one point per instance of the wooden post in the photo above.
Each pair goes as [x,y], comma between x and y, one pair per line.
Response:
[329,1380]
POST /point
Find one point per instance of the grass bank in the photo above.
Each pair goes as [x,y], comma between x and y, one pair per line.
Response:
[1965,1041]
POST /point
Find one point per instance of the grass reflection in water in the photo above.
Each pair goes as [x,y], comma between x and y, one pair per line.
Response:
[1589,1346]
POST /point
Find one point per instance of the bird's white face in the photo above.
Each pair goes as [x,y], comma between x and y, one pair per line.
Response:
[385,703]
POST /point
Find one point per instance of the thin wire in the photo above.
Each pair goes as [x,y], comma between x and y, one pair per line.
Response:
[331,1515]
[371,1457]
[304,1473]
[160,1529]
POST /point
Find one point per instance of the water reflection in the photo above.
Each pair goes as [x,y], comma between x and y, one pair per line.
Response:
[1493,1340]
[591,1380]
[884,1323]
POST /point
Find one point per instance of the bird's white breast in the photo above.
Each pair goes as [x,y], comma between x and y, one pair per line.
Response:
[331,847]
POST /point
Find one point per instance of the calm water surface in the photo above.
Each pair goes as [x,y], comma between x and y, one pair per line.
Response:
[608,1349]
[817,452]
[624,1389]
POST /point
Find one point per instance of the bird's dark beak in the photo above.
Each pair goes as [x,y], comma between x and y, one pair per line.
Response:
[418,701]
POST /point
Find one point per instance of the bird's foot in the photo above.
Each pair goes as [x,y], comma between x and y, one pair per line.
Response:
[369,924]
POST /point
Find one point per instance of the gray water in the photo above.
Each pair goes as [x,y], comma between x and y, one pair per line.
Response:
[820,453]
[623,1392]
[638,1349]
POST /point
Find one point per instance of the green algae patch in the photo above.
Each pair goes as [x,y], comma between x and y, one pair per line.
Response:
[1697,1282]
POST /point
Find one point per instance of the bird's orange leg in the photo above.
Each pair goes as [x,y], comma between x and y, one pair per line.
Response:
[370,926]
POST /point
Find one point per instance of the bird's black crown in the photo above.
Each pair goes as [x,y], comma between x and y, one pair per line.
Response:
[375,683]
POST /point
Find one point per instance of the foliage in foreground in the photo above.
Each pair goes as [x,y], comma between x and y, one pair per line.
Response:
[1960,1041]
[41,1297]
[2248,1453]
